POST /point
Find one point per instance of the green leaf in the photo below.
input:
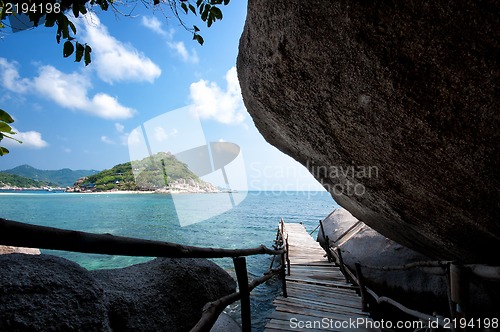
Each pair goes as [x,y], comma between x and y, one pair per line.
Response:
[226,2]
[68,49]
[205,13]
[72,26]
[3,151]
[49,23]
[83,10]
[5,128]
[192,9]
[184,7]
[216,12]
[76,10]
[198,38]
[5,117]
[88,59]
[198,3]
[103,4]
[195,28]
[80,49]
[58,34]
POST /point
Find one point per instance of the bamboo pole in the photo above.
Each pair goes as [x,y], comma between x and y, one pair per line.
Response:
[240,266]
[19,234]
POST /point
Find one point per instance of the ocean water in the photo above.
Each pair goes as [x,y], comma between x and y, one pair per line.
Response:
[153,216]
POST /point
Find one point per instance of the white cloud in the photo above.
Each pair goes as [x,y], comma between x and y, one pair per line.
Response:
[67,90]
[70,91]
[161,135]
[181,50]
[119,127]
[115,61]
[212,102]
[106,140]
[31,139]
[10,78]
[108,107]
[153,24]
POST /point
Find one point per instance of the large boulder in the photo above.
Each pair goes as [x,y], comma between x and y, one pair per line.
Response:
[165,294]
[48,293]
[393,107]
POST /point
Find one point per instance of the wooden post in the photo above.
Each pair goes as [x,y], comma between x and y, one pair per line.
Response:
[362,289]
[328,253]
[240,267]
[459,291]
[283,275]
[451,305]
[323,231]
[287,256]
[341,264]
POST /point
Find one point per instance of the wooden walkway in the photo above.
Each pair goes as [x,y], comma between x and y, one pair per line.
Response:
[319,298]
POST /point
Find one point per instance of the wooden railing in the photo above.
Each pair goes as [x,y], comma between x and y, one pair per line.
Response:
[19,234]
[455,274]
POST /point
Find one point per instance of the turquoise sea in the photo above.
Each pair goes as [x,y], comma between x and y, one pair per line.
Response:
[153,216]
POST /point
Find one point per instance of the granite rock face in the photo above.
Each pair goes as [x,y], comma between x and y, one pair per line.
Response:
[165,294]
[392,106]
[48,293]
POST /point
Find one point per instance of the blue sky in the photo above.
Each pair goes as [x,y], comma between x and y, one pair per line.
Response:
[144,65]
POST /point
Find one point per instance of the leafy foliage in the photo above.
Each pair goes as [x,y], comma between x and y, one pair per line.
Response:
[6,130]
[208,10]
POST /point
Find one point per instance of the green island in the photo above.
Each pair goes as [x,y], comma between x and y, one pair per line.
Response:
[161,172]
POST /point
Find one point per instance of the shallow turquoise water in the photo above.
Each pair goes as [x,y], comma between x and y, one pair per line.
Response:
[153,216]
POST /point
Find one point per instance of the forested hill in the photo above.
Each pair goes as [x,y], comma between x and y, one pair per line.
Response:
[62,178]
[12,180]
[157,171]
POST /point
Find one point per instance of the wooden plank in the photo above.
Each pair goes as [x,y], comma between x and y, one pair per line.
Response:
[351,304]
[321,289]
[321,306]
[321,282]
[316,289]
[347,301]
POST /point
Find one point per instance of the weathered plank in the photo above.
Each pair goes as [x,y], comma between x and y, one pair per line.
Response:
[318,294]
